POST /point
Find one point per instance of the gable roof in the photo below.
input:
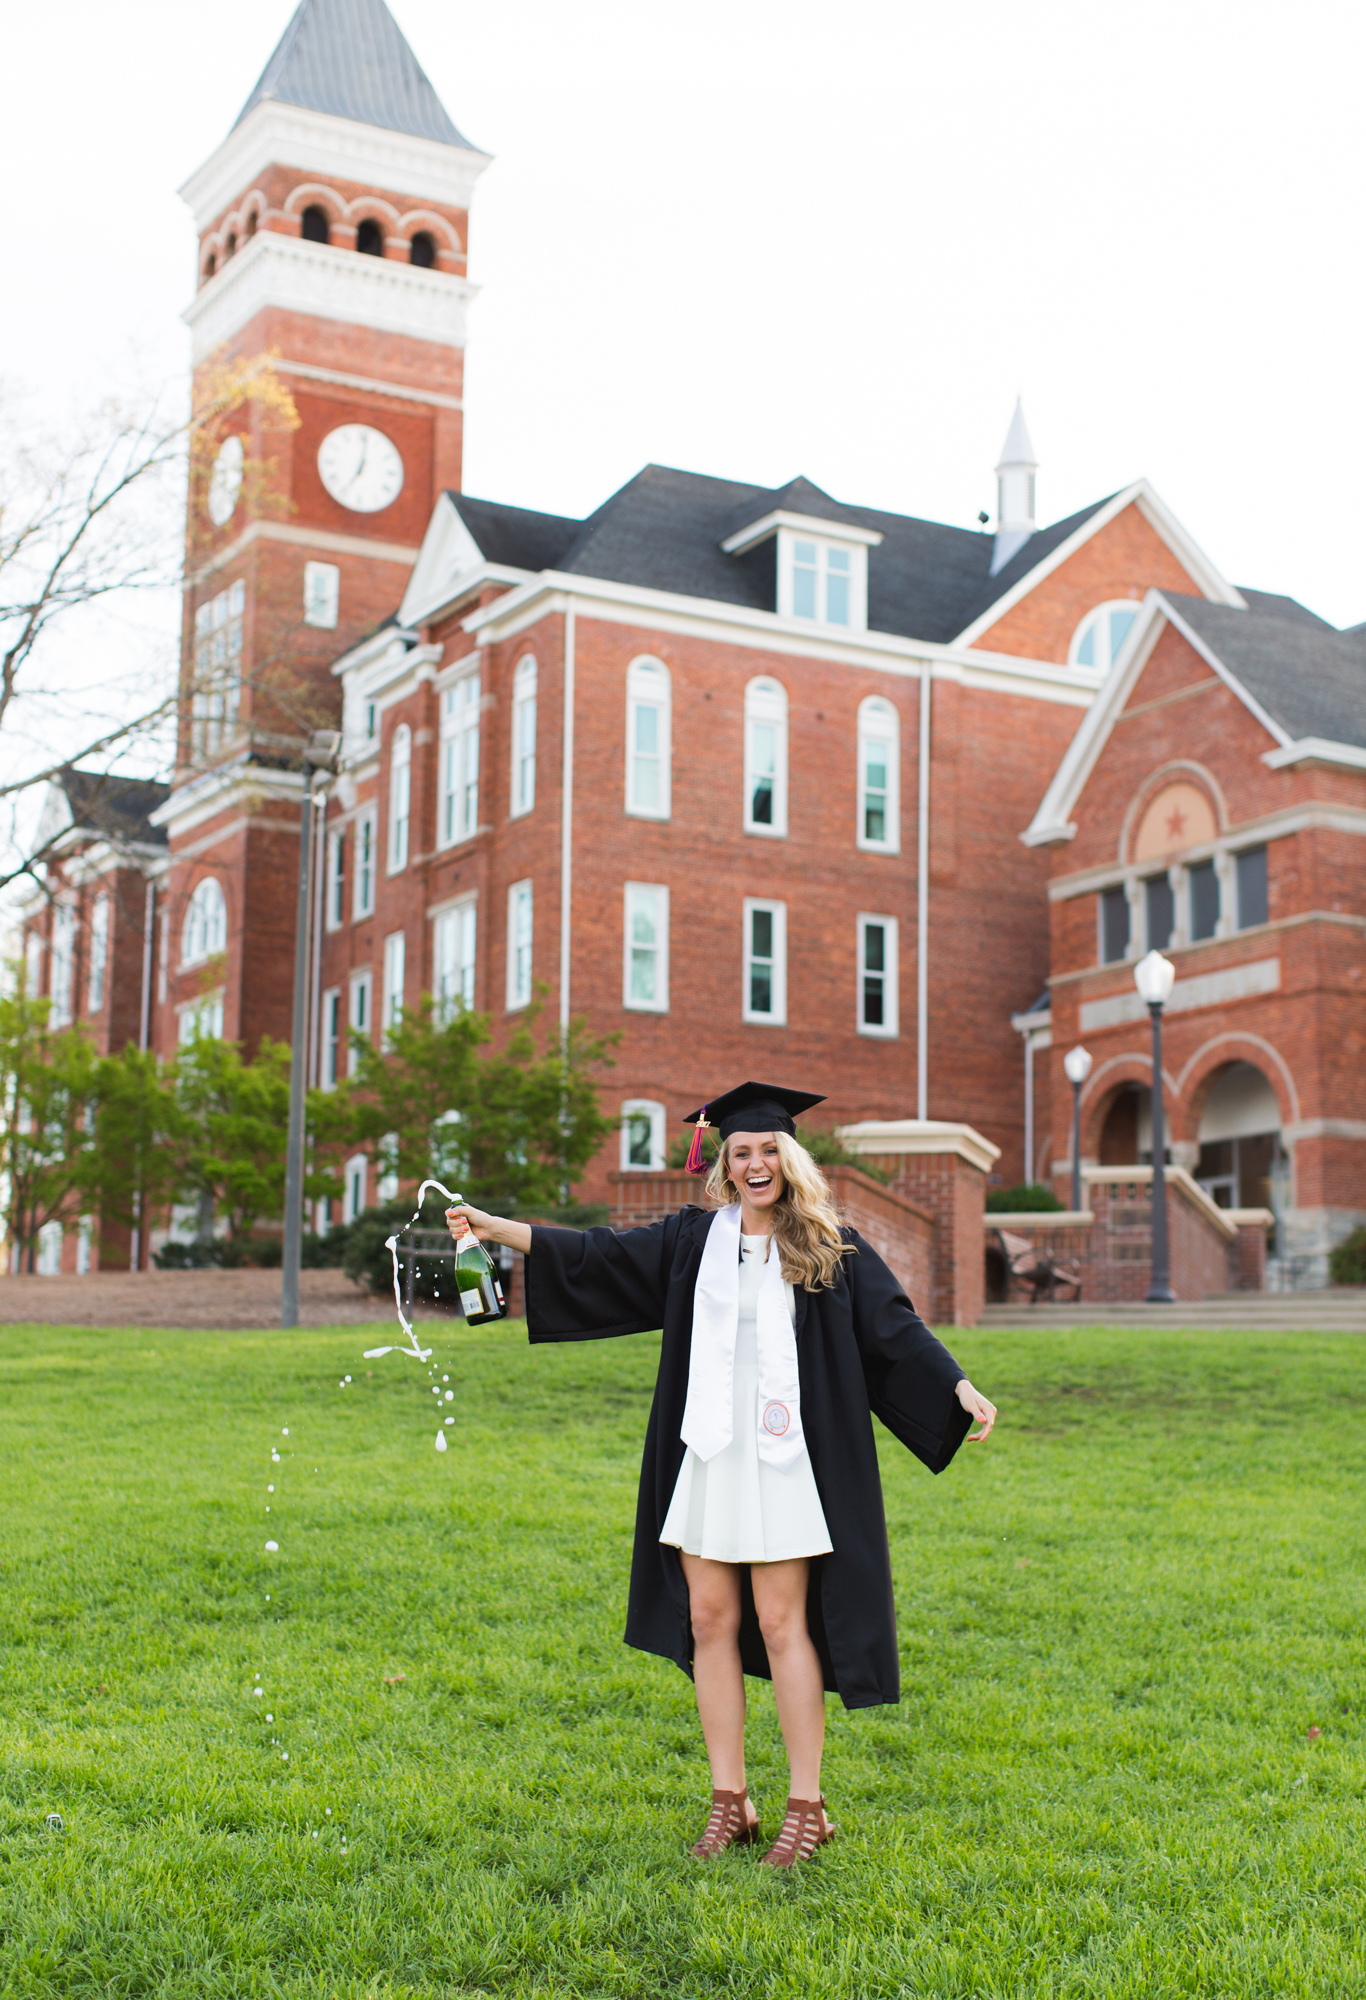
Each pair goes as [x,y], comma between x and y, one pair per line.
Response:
[350,58]
[1303,680]
[103,803]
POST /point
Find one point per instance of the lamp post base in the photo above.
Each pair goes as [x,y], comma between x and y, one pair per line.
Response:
[1159,1295]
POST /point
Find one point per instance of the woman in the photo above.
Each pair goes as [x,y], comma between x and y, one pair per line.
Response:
[761,1544]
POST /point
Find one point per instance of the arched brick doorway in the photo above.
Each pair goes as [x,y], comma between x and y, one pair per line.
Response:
[1242,1161]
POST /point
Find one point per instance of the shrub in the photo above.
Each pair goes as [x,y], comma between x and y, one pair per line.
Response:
[175,1256]
[1028,1197]
[1347,1260]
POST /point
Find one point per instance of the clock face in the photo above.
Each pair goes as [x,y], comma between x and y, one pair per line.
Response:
[225,481]
[360,468]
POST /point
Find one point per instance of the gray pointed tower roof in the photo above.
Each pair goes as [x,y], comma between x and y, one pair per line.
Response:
[350,58]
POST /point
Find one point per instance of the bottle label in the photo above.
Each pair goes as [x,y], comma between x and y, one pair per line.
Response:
[471,1302]
[499,1289]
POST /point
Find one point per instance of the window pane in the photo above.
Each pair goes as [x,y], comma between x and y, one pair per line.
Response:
[761,933]
[638,1149]
[803,592]
[838,559]
[646,786]
[874,942]
[1120,621]
[1161,911]
[761,989]
[647,731]
[837,600]
[1204,884]
[1114,925]
[804,553]
[872,1003]
[1252,892]
[1086,651]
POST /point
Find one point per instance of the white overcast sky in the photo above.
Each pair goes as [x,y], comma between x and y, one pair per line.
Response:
[771,237]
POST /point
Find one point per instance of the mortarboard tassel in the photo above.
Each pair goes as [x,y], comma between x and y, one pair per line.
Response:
[695,1163]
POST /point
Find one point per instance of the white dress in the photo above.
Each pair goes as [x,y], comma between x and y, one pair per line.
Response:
[735,1507]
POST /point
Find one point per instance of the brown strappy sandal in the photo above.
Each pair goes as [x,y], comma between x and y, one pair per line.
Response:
[726,1826]
[801,1834]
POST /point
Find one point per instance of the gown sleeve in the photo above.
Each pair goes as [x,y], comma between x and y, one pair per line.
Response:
[591,1284]
[911,1376]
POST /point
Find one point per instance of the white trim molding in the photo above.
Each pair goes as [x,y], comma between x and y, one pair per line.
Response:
[1206,989]
[1316,750]
[918,1136]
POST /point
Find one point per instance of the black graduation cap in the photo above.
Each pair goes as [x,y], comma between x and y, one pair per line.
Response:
[750,1107]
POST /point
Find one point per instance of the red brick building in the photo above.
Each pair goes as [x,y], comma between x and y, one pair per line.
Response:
[738,772]
[1212,805]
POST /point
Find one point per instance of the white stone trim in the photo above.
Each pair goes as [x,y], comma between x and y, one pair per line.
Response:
[1324,1128]
[336,377]
[290,135]
[1181,1177]
[1248,981]
[805,525]
[304,538]
[320,280]
[918,1136]
[1316,750]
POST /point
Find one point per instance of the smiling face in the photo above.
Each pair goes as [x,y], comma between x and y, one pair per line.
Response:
[753,1163]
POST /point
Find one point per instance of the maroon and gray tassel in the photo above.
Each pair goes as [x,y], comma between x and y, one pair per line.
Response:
[695,1162]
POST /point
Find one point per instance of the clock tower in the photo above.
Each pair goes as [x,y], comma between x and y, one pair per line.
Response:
[333,230]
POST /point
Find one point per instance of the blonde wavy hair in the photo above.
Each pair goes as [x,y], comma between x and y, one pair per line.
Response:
[806,1227]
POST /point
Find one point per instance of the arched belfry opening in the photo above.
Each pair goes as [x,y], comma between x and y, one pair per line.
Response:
[315,227]
[422,250]
[370,238]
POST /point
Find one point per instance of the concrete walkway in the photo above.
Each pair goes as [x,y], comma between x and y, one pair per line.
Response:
[1341,1310]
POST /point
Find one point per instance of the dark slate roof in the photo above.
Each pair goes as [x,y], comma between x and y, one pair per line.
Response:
[118,808]
[664,529]
[349,57]
[515,536]
[1308,677]
[1269,604]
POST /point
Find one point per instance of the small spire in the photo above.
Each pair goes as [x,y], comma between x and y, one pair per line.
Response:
[1014,491]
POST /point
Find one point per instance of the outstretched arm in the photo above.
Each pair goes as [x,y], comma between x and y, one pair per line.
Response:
[490,1228]
[585,1284]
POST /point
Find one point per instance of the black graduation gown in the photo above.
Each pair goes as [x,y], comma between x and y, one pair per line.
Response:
[861,1348]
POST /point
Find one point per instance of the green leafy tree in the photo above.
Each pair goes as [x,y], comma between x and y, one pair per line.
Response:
[513,1127]
[232,1121]
[46,1088]
[133,1165]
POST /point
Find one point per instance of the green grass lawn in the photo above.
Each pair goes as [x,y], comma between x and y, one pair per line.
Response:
[1119,1623]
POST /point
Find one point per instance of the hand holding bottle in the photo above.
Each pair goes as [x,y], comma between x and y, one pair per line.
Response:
[488,1228]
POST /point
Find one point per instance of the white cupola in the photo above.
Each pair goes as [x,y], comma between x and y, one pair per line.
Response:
[1014,491]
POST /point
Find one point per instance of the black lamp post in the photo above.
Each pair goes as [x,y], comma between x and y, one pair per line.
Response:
[1154,976]
[1077,1063]
[320,757]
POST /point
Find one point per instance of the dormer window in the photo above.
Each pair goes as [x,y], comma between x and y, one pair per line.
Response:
[822,566]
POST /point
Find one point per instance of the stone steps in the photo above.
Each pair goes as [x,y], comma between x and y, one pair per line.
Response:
[1337,1311]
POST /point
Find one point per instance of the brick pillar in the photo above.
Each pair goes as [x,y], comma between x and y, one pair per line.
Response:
[942,1168]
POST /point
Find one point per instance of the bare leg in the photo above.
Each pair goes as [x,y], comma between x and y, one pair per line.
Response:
[798,1689]
[714,1600]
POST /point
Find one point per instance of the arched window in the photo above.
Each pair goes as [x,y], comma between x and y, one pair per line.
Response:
[648,740]
[210,266]
[370,238]
[99,954]
[1101,633]
[879,776]
[422,249]
[251,224]
[400,791]
[230,247]
[523,737]
[766,757]
[206,924]
[316,228]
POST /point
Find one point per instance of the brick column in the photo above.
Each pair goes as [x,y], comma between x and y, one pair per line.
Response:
[942,1168]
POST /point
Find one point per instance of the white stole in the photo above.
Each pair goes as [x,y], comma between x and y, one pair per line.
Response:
[709,1414]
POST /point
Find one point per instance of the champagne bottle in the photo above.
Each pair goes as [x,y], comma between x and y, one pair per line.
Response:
[481,1295]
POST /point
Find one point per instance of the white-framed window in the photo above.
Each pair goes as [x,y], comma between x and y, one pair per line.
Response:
[217,670]
[825,581]
[642,1135]
[332,1037]
[49,1260]
[400,798]
[645,966]
[354,1176]
[523,793]
[205,930]
[85,1236]
[453,941]
[649,740]
[519,944]
[63,963]
[877,976]
[765,963]
[879,776]
[363,894]
[458,813]
[394,955]
[359,1013]
[334,886]
[99,955]
[386,1161]
[322,594]
[33,966]
[1101,633]
[201,1020]
[766,757]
